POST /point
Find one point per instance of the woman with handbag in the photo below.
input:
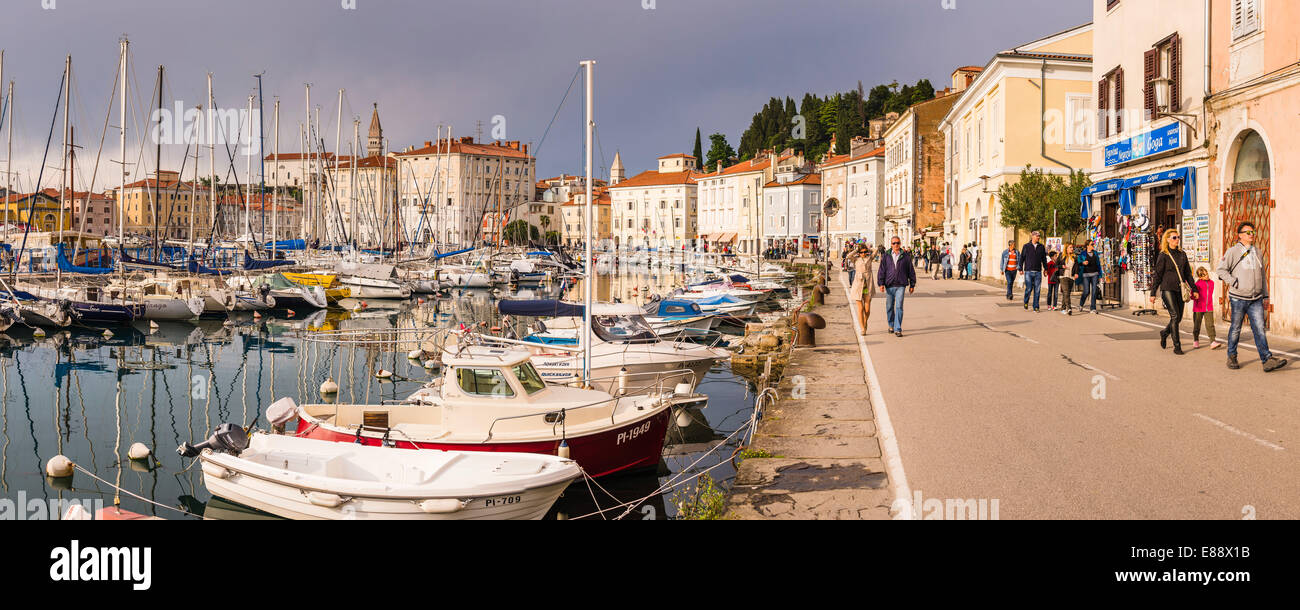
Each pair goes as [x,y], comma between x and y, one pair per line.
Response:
[864,282]
[1173,283]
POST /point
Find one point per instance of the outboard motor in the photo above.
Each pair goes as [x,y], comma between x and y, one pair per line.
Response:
[228,438]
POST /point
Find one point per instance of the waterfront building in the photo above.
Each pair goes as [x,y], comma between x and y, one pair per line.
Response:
[729,213]
[792,210]
[164,204]
[656,208]
[855,181]
[1029,106]
[447,188]
[1146,162]
[1255,94]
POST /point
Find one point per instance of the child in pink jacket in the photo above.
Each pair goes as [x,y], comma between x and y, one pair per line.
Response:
[1203,309]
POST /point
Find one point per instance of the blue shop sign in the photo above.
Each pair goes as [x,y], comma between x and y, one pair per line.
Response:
[1164,139]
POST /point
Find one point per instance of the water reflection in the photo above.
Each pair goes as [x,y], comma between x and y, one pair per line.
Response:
[175,383]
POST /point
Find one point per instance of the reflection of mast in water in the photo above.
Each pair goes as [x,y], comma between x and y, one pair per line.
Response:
[4,423]
[31,423]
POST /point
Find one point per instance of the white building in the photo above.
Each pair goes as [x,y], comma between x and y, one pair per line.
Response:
[656,208]
[792,209]
[729,200]
[857,186]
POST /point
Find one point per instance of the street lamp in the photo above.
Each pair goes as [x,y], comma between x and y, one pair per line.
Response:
[1163,87]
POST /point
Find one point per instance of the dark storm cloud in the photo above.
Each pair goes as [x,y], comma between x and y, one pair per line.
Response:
[660,73]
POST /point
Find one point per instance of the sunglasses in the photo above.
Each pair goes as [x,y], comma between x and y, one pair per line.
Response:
[1247,233]
[1174,237]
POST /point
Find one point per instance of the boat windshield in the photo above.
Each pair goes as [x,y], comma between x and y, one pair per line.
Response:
[623,328]
[484,382]
[529,378]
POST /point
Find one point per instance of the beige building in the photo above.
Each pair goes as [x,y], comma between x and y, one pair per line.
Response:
[1029,106]
[656,208]
[360,203]
[173,202]
[855,181]
[447,187]
[574,215]
[729,197]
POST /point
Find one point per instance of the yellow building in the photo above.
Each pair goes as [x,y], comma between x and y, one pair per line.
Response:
[43,212]
[1031,105]
[174,207]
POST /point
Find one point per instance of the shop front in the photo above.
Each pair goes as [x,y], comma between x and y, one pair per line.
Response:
[1126,218]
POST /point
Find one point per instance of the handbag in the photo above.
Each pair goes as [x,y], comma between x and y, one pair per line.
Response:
[1183,291]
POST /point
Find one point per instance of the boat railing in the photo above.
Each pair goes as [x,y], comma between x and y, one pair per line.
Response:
[557,418]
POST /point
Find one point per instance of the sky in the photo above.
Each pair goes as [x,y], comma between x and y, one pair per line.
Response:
[663,67]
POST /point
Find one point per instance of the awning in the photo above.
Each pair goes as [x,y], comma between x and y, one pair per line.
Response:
[1126,189]
[727,237]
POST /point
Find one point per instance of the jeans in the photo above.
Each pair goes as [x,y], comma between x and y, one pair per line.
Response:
[894,307]
[852,272]
[1011,282]
[1034,283]
[1091,286]
[1052,288]
[1255,310]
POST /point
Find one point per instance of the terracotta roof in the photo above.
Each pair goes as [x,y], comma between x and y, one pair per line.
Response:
[376,162]
[654,178]
[1058,56]
[969,69]
[753,165]
[674,156]
[808,179]
[467,146]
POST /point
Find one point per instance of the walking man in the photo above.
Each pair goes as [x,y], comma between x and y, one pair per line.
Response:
[1242,269]
[1009,266]
[896,273]
[1033,259]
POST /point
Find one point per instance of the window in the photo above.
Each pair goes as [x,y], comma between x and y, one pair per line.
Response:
[979,147]
[529,378]
[1164,60]
[1245,18]
[1110,103]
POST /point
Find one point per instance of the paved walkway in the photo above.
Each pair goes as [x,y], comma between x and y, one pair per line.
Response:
[824,431]
[1083,416]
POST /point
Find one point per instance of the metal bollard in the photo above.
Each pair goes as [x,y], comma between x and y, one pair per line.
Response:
[819,293]
[806,328]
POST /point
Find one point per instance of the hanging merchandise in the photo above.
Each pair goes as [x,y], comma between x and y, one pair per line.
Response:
[1141,263]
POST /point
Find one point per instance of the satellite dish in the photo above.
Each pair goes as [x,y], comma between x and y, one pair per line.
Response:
[831,207]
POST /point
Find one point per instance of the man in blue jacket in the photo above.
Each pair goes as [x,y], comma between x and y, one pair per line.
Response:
[896,273]
[1032,263]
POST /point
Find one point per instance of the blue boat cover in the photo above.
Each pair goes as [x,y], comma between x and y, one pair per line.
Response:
[253,264]
[671,308]
[540,308]
[66,265]
[550,340]
[288,244]
[724,299]
[454,253]
[195,267]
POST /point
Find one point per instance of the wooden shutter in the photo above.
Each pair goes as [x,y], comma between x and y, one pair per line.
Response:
[1103,107]
[1245,17]
[1176,73]
[1119,101]
[1151,71]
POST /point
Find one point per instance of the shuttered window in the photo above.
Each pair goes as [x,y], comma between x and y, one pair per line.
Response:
[1245,18]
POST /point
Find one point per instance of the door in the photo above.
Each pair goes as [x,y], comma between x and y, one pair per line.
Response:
[1248,202]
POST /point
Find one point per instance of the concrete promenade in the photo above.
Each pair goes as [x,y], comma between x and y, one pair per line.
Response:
[824,432]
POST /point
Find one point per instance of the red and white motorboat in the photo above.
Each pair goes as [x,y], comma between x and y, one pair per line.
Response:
[492,399]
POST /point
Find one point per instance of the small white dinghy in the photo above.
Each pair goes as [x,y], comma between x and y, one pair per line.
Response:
[301,478]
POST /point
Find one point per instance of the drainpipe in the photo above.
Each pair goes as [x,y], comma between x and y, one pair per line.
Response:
[1042,118]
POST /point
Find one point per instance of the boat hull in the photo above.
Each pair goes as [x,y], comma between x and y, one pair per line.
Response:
[626,448]
[107,313]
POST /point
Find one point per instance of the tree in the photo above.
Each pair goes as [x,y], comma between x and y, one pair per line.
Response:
[517,232]
[699,154]
[1038,199]
[545,220]
[552,237]
[719,150]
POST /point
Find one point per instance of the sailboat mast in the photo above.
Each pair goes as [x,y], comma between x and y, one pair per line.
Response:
[194,185]
[157,183]
[261,160]
[308,228]
[352,192]
[338,149]
[589,277]
[121,192]
[275,224]
[9,159]
[67,156]
[212,166]
[248,176]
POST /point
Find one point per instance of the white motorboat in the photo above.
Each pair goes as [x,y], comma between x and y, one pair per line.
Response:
[623,344]
[163,298]
[303,478]
[367,288]
[493,399]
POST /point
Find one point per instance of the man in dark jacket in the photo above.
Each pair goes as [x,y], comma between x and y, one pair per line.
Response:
[896,273]
[1033,260]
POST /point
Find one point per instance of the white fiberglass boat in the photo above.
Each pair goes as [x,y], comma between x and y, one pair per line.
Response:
[302,478]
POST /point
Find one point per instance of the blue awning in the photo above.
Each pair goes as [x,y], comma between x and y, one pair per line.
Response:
[1127,187]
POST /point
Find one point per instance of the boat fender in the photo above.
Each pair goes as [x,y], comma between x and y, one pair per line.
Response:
[59,467]
[138,452]
[326,500]
[329,387]
[38,333]
[415,354]
[682,389]
[215,471]
[442,505]
[563,451]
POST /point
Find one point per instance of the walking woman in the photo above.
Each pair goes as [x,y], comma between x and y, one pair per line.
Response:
[1067,264]
[1088,269]
[1172,273]
[863,284]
